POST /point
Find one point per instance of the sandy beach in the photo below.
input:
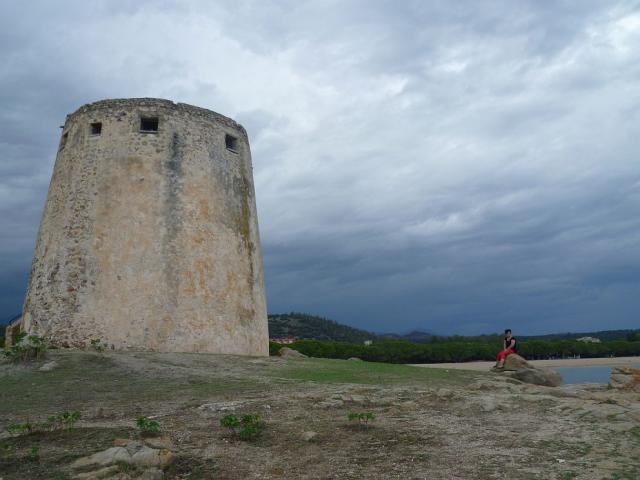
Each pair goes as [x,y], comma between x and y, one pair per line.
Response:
[568,362]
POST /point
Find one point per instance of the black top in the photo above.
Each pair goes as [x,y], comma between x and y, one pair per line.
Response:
[508,342]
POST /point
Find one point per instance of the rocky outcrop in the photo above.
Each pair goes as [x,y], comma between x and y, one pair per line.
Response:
[625,378]
[131,452]
[526,372]
[286,352]
[515,362]
[539,376]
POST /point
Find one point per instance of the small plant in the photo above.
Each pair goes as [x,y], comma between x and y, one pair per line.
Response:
[26,347]
[6,451]
[20,428]
[146,425]
[97,345]
[124,467]
[33,454]
[245,428]
[65,420]
[362,418]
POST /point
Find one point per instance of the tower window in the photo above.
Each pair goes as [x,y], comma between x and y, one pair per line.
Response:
[96,128]
[63,141]
[149,124]
[231,143]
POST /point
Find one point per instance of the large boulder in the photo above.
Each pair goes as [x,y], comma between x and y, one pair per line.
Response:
[538,376]
[625,378]
[286,352]
[515,362]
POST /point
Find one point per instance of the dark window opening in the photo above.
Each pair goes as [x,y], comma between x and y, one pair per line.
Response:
[63,141]
[149,124]
[96,128]
[231,143]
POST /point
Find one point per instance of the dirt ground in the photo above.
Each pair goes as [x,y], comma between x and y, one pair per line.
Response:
[429,423]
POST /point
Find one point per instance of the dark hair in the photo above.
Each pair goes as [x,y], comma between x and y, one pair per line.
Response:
[508,330]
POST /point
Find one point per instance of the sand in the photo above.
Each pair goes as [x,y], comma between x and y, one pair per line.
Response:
[567,362]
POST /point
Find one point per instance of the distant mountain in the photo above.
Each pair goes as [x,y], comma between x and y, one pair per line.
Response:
[302,325]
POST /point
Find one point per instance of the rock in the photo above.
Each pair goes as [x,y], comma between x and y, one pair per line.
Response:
[152,474]
[487,404]
[309,436]
[230,406]
[353,398]
[107,457]
[131,452]
[151,457]
[515,362]
[625,378]
[97,474]
[161,442]
[47,367]
[539,376]
[287,352]
[330,403]
[356,359]
[445,393]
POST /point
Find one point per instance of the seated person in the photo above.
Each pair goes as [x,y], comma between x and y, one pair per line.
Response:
[509,347]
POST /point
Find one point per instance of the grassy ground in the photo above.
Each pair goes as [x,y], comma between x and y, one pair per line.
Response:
[369,373]
[429,423]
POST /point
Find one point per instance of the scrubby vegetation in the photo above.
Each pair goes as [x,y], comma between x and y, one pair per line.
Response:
[302,325]
[361,418]
[146,425]
[396,351]
[26,347]
[245,427]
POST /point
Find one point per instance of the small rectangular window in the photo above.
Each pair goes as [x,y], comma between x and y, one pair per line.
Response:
[149,124]
[96,128]
[63,141]
[231,143]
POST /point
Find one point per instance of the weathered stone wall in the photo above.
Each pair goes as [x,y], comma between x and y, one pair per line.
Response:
[150,240]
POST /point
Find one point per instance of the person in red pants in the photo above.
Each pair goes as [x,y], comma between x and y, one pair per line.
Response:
[509,347]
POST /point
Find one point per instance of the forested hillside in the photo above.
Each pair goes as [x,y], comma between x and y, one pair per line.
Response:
[302,325]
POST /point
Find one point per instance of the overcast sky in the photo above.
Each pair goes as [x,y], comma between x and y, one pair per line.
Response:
[454,167]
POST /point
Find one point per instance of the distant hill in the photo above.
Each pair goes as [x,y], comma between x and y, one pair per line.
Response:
[415,337]
[302,325]
[604,335]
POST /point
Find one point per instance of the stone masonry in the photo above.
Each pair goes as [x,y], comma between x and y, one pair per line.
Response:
[149,237]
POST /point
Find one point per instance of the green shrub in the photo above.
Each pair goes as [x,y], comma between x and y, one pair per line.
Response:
[33,454]
[246,427]
[26,347]
[65,420]
[146,425]
[97,345]
[362,418]
[20,428]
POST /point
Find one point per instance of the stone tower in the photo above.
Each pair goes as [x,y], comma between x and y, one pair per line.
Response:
[149,236]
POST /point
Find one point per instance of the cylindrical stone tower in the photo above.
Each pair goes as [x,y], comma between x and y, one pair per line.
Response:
[149,237]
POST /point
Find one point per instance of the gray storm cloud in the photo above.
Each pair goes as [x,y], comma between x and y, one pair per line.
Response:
[452,167]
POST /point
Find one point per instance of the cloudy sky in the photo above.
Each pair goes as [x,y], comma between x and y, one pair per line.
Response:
[455,167]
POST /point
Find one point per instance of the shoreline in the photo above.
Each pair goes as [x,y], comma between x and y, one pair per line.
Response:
[567,362]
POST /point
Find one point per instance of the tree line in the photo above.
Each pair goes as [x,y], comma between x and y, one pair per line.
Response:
[398,351]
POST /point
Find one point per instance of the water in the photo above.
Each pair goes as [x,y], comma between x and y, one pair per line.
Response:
[590,374]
